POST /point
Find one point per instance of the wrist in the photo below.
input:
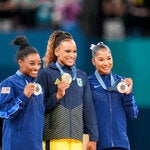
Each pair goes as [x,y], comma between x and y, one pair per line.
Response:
[58,96]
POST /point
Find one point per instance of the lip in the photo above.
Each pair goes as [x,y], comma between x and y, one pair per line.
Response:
[71,61]
[34,72]
[106,68]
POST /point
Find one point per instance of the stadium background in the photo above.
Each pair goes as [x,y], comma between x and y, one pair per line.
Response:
[131,52]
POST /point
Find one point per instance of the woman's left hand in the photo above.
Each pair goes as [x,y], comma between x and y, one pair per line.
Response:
[91,145]
[129,83]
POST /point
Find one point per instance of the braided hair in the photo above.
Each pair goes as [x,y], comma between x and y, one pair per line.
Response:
[54,41]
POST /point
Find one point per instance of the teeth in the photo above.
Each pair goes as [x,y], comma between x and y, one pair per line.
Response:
[34,72]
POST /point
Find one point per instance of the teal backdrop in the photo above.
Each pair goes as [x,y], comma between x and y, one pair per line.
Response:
[131,58]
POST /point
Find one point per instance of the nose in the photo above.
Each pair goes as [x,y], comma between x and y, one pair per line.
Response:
[37,67]
[72,54]
[106,61]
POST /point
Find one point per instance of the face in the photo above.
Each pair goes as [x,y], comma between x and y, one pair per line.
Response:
[103,61]
[30,65]
[66,53]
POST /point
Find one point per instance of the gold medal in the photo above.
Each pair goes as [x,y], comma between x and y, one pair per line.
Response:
[38,89]
[122,87]
[66,77]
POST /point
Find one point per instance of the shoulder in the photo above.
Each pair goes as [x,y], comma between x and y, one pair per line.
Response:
[43,74]
[43,70]
[91,76]
[10,79]
[116,76]
[81,73]
[48,69]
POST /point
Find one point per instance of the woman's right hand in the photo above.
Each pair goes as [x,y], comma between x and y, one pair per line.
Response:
[62,86]
[29,89]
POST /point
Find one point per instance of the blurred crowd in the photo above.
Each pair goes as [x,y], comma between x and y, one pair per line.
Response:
[116,19]
[23,14]
[105,18]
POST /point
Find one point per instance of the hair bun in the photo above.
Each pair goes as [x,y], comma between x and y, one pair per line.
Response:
[100,43]
[21,40]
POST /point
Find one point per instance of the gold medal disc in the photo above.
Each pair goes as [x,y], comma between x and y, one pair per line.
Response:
[66,77]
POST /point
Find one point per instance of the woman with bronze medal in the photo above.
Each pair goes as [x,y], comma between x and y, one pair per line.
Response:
[68,97]
[113,100]
[21,102]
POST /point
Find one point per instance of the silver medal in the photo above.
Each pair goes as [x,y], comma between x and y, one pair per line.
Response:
[38,89]
[122,87]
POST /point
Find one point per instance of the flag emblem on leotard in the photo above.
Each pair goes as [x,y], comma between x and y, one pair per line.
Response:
[5,90]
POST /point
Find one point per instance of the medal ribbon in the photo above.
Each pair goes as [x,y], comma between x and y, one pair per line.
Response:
[20,74]
[73,68]
[38,85]
[113,82]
